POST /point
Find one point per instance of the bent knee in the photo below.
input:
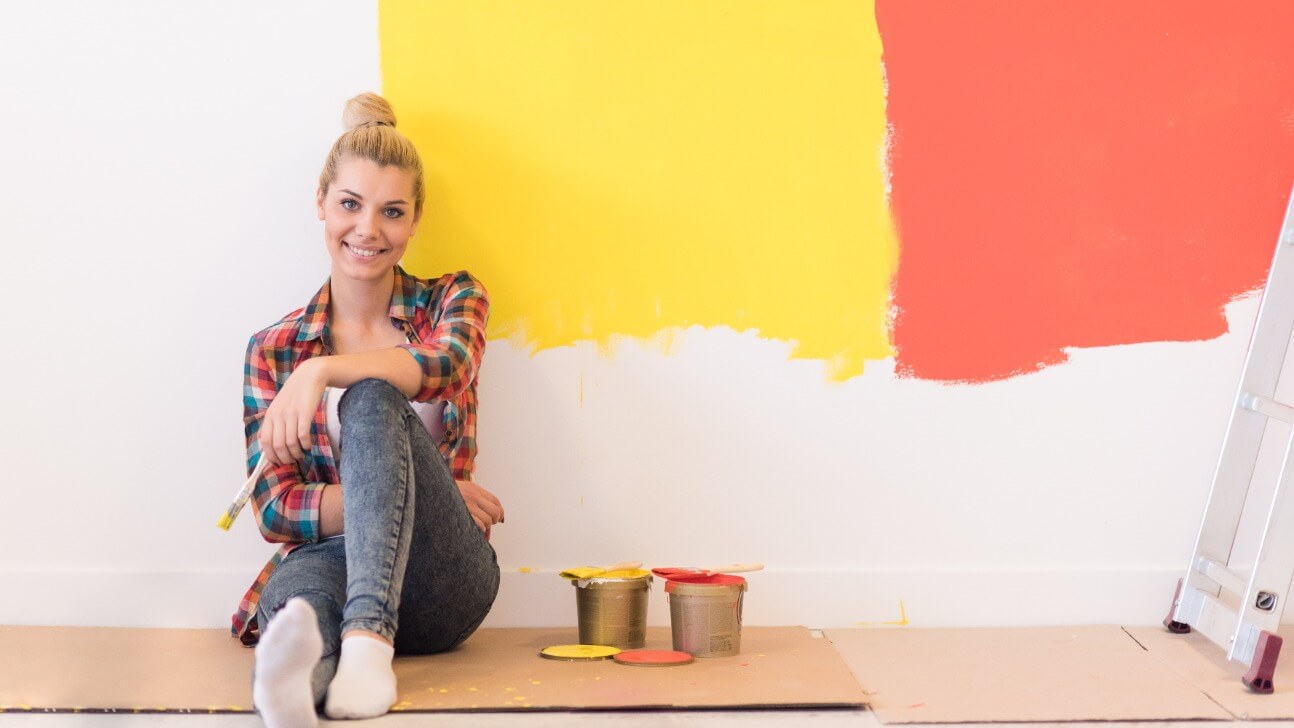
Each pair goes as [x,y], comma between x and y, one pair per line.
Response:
[322,601]
[369,392]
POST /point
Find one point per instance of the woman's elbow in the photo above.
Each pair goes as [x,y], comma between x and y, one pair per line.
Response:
[276,530]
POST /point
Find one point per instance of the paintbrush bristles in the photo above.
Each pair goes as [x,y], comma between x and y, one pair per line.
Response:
[240,500]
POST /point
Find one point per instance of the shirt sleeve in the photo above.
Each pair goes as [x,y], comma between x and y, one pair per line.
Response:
[287,509]
[452,354]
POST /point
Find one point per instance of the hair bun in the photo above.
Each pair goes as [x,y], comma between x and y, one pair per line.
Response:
[367,109]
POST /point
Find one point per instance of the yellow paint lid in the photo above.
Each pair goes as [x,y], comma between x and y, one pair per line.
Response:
[593,572]
[579,653]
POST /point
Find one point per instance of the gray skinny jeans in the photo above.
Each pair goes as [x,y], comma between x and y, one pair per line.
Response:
[412,565]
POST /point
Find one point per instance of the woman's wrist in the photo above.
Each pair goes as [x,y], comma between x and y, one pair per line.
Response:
[316,369]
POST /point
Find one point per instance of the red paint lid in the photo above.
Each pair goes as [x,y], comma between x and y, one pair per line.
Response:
[653,658]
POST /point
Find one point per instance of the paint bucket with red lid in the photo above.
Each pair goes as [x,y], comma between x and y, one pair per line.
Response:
[705,614]
[612,608]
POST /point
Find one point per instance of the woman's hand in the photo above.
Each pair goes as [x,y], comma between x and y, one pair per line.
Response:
[485,508]
[285,430]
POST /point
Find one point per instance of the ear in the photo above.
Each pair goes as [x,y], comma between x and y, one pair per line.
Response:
[319,202]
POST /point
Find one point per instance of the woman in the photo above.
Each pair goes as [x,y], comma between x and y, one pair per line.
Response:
[364,404]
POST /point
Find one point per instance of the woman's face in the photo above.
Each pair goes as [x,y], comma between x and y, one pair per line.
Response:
[368,218]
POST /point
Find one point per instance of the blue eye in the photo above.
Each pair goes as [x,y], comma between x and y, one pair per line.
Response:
[393,212]
[350,204]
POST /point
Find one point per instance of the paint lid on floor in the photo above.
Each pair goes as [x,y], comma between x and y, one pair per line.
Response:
[579,653]
[653,658]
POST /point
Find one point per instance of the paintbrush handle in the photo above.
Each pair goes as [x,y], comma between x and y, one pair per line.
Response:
[735,568]
[240,500]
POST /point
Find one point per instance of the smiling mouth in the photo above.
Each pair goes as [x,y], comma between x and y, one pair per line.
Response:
[361,252]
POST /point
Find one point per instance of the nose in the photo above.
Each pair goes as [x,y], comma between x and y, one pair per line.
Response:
[366,226]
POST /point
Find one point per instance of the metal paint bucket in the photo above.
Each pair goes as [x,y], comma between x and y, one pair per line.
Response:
[613,611]
[705,617]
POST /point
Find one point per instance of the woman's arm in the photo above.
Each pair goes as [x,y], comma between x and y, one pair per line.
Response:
[285,434]
[287,508]
[343,370]
[451,355]
[331,512]
[439,368]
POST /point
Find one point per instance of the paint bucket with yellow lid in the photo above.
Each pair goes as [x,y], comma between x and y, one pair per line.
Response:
[612,608]
[705,614]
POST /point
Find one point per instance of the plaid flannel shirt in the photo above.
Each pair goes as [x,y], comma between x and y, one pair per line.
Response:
[444,321]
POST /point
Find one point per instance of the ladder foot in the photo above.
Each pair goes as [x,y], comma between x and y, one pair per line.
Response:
[1171,624]
[1263,667]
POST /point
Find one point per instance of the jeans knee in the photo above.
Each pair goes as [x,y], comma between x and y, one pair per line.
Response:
[324,603]
[327,608]
[370,392]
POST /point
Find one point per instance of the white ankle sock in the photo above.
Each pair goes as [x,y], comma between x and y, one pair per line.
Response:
[286,656]
[364,686]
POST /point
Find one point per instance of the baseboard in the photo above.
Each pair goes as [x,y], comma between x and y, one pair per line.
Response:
[812,597]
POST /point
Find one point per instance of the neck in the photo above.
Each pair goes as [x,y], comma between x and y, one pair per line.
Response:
[360,302]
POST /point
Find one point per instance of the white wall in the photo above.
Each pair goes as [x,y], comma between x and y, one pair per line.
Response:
[156,189]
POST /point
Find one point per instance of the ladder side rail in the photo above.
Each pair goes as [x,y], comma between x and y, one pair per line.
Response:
[1268,345]
[1264,600]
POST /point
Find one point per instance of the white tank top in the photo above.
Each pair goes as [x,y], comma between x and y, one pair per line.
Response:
[432,415]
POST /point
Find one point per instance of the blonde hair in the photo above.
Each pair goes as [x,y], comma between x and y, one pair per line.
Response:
[370,134]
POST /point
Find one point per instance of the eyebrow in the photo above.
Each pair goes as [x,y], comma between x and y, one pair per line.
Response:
[356,194]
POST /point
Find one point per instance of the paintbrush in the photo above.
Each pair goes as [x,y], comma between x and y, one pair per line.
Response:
[227,518]
[588,572]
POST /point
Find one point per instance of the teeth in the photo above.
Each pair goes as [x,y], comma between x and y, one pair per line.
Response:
[363,253]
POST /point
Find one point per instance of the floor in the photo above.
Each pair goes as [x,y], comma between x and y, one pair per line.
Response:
[697,719]
[688,719]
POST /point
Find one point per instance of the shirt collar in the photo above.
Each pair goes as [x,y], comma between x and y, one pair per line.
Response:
[404,295]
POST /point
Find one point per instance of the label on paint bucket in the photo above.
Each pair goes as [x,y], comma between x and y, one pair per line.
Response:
[613,611]
[705,620]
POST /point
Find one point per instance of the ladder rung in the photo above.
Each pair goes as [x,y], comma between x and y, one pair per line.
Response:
[1224,627]
[1225,578]
[1268,407]
[1215,620]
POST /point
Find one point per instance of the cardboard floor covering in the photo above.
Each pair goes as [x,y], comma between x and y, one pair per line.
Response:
[198,670]
[1033,674]
[1206,666]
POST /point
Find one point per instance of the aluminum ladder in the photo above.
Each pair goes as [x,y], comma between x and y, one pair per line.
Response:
[1240,612]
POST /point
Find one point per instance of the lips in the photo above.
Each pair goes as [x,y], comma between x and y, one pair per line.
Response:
[363,253]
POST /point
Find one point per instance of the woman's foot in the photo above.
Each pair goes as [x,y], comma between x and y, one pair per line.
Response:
[364,686]
[285,659]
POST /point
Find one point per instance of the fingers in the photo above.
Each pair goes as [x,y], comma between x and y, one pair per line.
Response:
[272,442]
[497,506]
[491,507]
[292,439]
[283,444]
[303,433]
[485,502]
[478,515]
